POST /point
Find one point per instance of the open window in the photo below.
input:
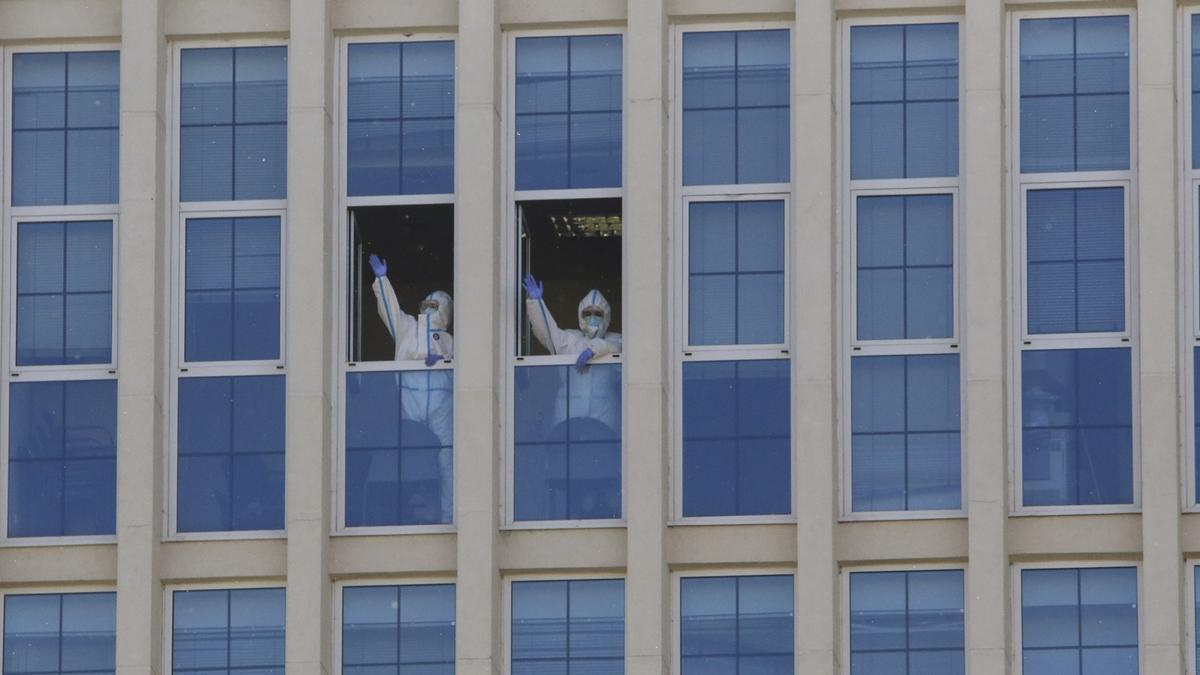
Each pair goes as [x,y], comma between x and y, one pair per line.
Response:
[417,243]
[572,246]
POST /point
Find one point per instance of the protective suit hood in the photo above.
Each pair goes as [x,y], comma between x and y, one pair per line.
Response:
[594,298]
[440,320]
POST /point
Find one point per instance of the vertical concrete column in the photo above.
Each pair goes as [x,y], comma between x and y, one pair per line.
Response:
[814,219]
[310,253]
[479,307]
[982,232]
[1157,337]
[647,346]
[141,343]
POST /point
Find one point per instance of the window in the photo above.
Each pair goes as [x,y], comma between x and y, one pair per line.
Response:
[907,623]
[903,101]
[735,107]
[575,626]
[737,624]
[229,469]
[734,443]
[736,438]
[398,630]
[903,413]
[231,460]
[396,464]
[400,105]
[60,422]
[1075,82]
[65,114]
[233,124]
[568,112]
[60,633]
[64,293]
[1076,362]
[1079,621]
[567,240]
[231,630]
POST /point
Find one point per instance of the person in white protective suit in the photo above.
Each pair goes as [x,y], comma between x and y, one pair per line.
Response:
[595,394]
[424,397]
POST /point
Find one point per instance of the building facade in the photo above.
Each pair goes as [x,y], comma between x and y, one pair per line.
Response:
[885,360]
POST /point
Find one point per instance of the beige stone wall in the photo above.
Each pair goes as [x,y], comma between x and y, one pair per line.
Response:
[482,555]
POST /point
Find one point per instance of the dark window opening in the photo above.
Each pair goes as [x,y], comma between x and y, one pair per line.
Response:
[417,244]
[571,246]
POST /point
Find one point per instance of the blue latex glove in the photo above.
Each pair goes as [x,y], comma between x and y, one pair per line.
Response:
[432,359]
[533,287]
[379,267]
[584,356]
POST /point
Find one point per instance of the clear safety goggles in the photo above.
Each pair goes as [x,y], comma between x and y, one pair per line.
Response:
[589,312]
[429,304]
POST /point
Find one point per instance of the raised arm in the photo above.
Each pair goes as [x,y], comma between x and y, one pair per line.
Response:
[541,322]
[399,324]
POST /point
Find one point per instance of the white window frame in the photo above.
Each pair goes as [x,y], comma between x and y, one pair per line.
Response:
[682,196]
[1190,588]
[342,366]
[511,293]
[1019,186]
[849,345]
[1066,564]
[181,213]
[845,599]
[168,600]
[1189,217]
[677,577]
[507,601]
[10,218]
[338,614]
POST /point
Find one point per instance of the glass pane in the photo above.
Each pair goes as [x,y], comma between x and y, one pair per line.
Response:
[200,630]
[1076,418]
[370,632]
[596,622]
[256,620]
[220,417]
[89,631]
[399,448]
[1049,608]
[62,457]
[736,434]
[568,431]
[427,627]
[1108,607]
[736,125]
[38,169]
[31,633]
[232,281]
[539,620]
[708,616]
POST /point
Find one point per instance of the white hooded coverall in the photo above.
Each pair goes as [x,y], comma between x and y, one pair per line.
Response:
[425,396]
[596,392]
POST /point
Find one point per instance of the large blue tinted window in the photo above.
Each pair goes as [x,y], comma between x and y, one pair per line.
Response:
[56,634]
[1077,433]
[907,623]
[904,267]
[568,627]
[231,294]
[735,273]
[568,112]
[64,293]
[735,107]
[399,447]
[400,110]
[62,458]
[233,124]
[231,458]
[736,438]
[236,631]
[1075,251]
[398,630]
[1079,621]
[904,101]
[65,114]
[736,625]
[1195,92]
[568,443]
[905,445]
[1075,94]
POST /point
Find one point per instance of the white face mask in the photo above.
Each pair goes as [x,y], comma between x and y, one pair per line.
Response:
[594,324]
